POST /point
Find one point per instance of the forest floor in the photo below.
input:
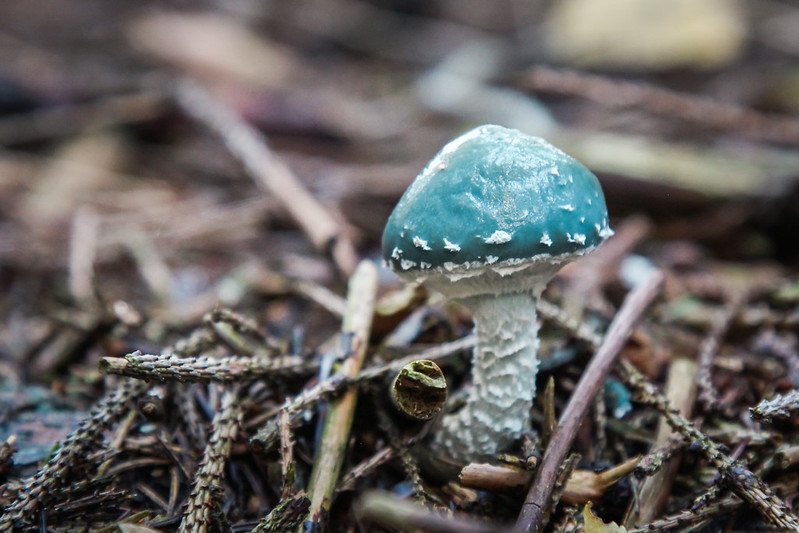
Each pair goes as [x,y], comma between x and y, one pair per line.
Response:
[186,193]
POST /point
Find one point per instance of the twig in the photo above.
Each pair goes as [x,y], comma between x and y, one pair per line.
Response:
[199,514]
[702,111]
[655,460]
[777,407]
[149,260]
[197,342]
[710,346]
[288,466]
[565,471]
[581,487]
[409,463]
[388,510]
[548,409]
[366,467]
[689,517]
[267,437]
[269,171]
[538,498]
[203,369]
[82,253]
[338,422]
[190,415]
[40,491]
[786,456]
[653,493]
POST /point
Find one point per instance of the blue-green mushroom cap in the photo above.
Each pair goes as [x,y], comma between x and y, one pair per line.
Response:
[498,198]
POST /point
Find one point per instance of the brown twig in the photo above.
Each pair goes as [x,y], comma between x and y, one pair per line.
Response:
[538,498]
[689,517]
[288,466]
[82,253]
[269,171]
[388,510]
[366,467]
[582,486]
[409,464]
[285,516]
[664,102]
[655,460]
[565,471]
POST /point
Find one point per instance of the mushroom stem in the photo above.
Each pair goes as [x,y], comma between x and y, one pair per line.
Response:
[504,366]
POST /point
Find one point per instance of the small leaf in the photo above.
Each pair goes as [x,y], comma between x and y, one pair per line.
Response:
[595,525]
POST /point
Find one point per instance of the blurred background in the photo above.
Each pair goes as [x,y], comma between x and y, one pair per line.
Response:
[115,188]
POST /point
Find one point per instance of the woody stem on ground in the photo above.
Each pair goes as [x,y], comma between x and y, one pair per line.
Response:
[355,329]
[538,498]
[269,171]
[654,491]
[198,516]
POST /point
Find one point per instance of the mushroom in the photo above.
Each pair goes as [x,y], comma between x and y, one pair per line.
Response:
[488,223]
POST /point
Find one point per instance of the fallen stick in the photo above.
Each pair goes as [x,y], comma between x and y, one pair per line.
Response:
[336,432]
[269,171]
[537,503]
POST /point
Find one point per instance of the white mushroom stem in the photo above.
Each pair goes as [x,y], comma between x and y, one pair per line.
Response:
[505,364]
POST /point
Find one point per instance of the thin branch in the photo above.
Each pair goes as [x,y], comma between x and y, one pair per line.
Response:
[780,406]
[539,496]
[664,102]
[395,513]
[269,171]
[82,253]
[338,422]
[203,369]
[654,492]
[199,514]
[710,346]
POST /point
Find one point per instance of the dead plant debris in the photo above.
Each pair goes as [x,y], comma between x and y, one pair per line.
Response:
[187,191]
